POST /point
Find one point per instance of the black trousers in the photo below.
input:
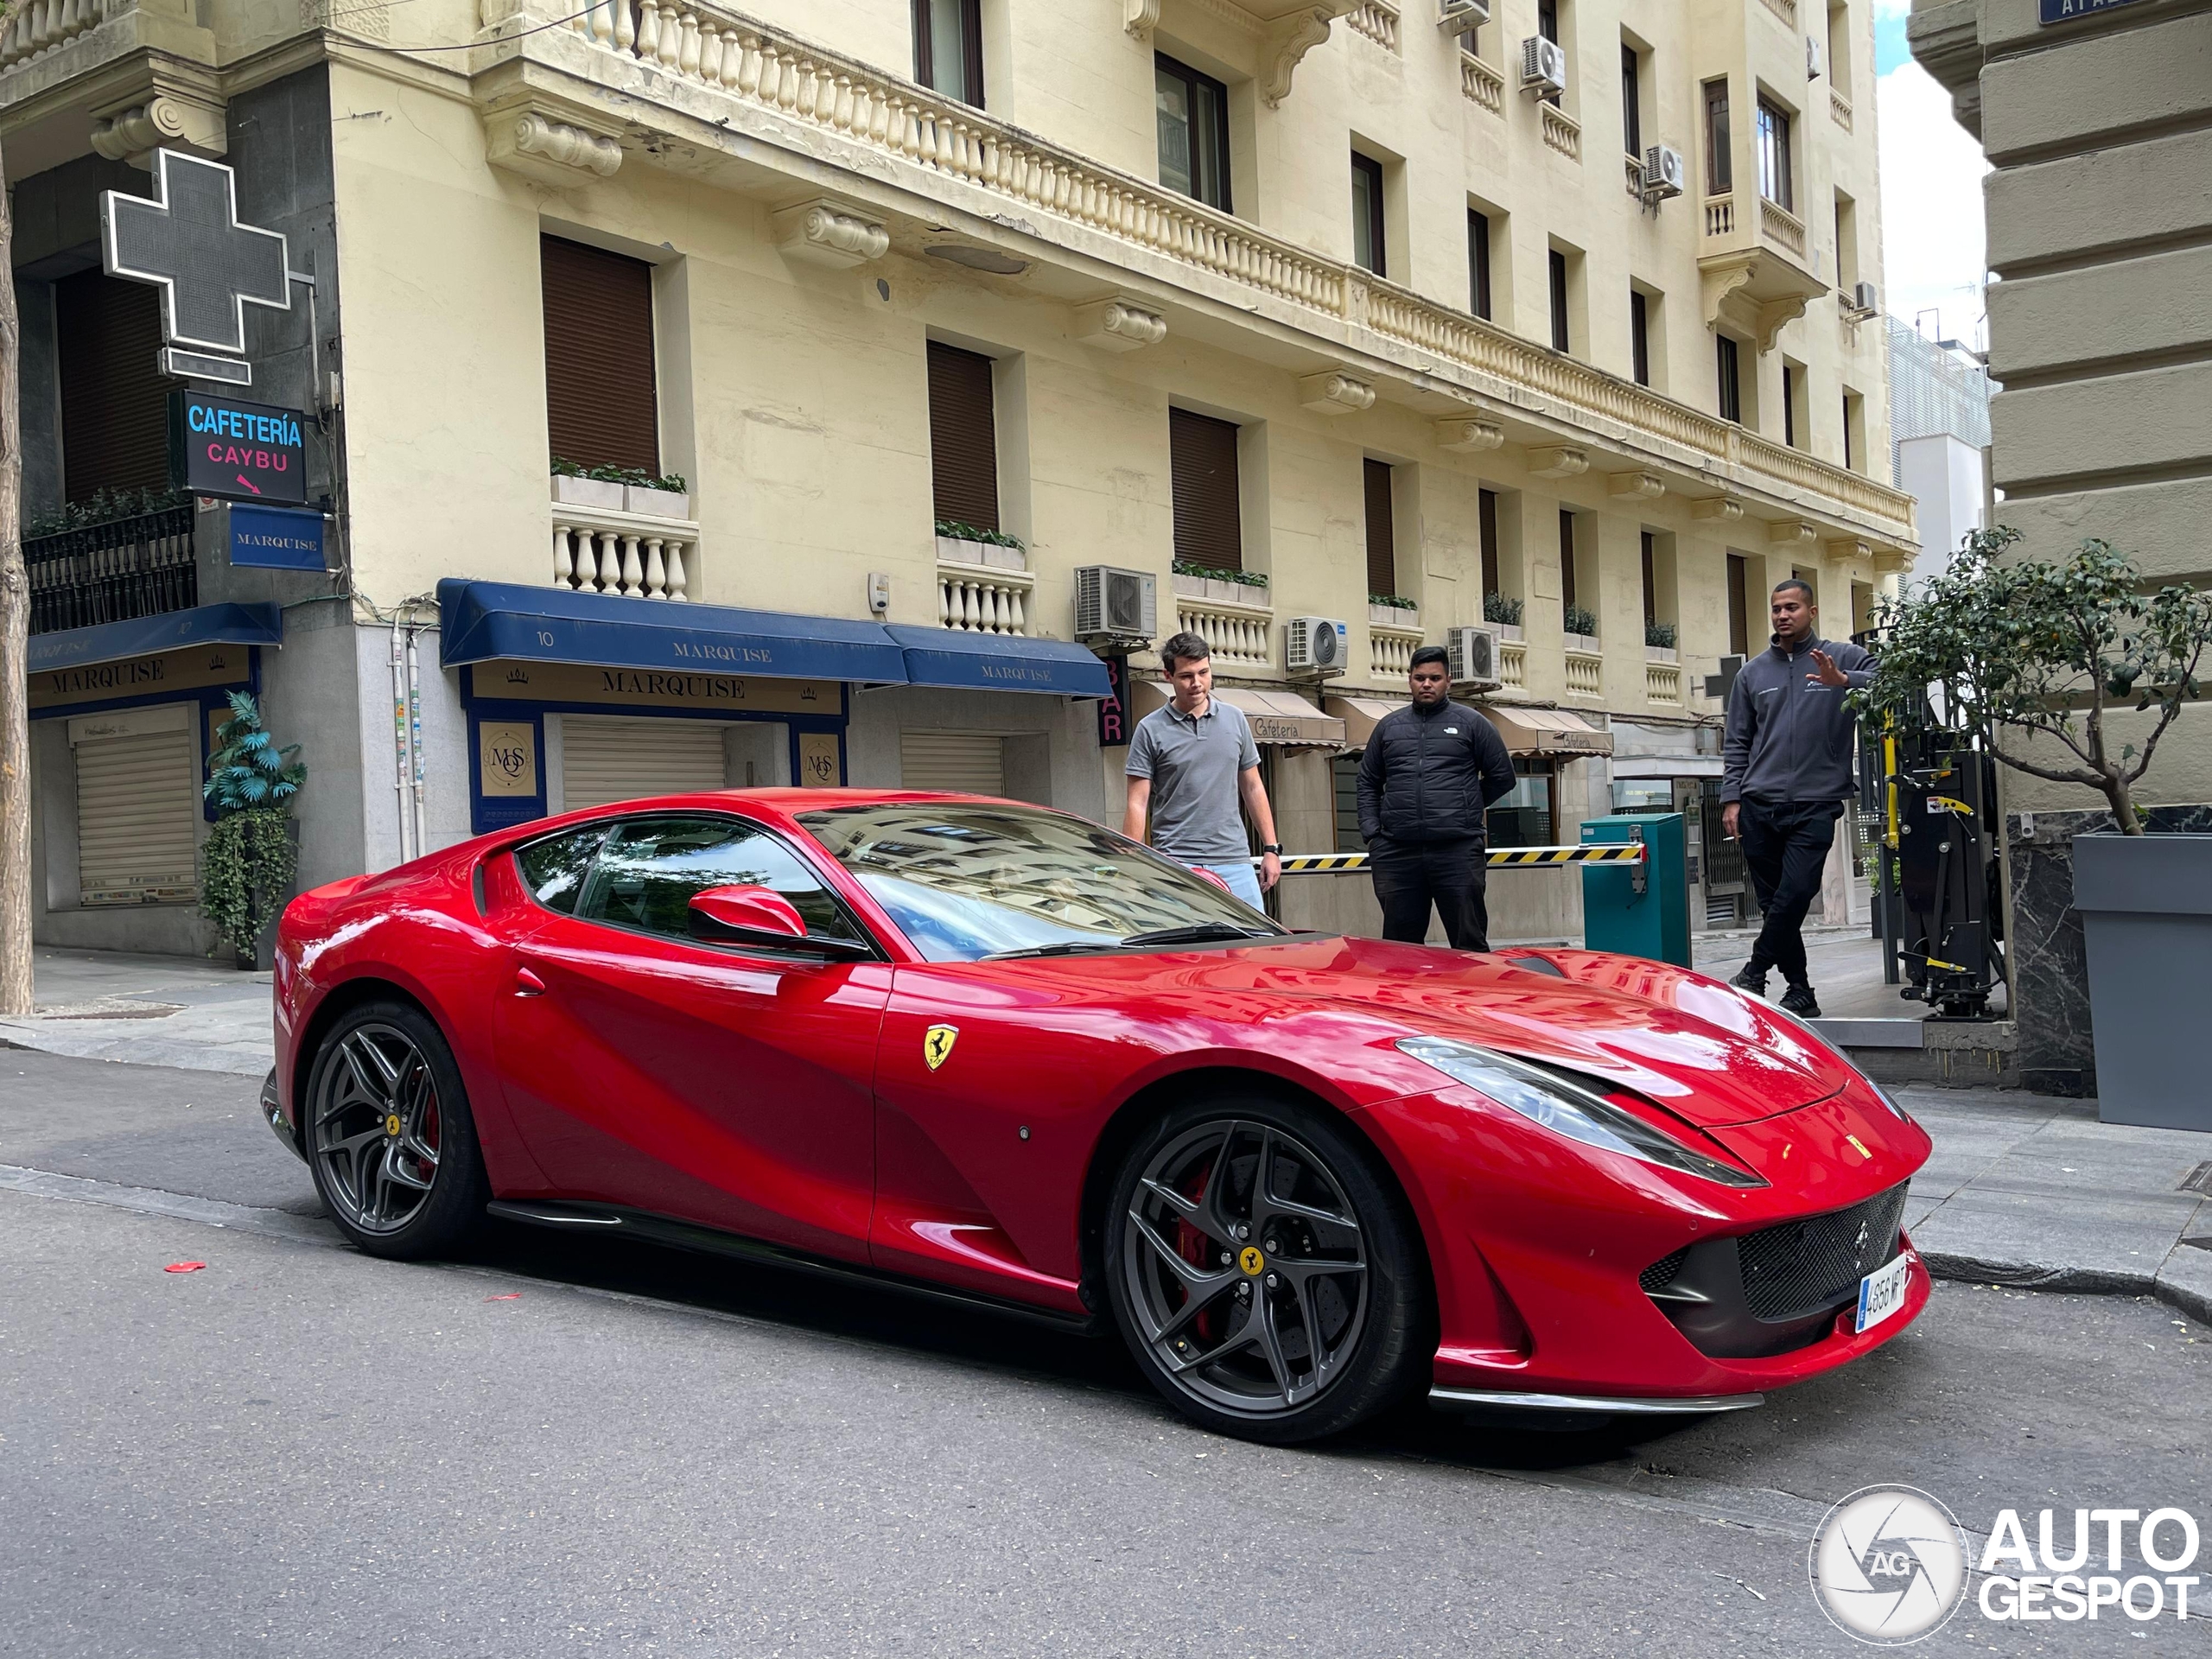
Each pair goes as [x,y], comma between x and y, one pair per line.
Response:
[1410,876]
[1785,845]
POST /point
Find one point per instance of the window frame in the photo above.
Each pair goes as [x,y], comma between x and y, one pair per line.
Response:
[942,359]
[1773,147]
[1720,156]
[1480,296]
[971,69]
[1379,478]
[1560,280]
[1195,81]
[1365,167]
[1639,336]
[1728,378]
[1632,100]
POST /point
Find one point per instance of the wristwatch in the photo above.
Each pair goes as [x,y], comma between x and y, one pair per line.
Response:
[1275,847]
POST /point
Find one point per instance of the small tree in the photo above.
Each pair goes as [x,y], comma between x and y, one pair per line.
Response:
[248,860]
[2044,651]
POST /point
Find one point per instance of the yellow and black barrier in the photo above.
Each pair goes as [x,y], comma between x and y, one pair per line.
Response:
[1499,858]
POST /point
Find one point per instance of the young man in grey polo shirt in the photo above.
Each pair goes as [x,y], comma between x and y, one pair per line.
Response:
[1190,763]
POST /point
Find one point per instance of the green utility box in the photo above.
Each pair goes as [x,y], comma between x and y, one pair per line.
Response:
[1639,910]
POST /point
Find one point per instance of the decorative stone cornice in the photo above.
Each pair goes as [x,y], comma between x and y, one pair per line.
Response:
[1725,508]
[552,152]
[1462,432]
[165,120]
[1335,392]
[826,233]
[1643,487]
[1119,325]
[1562,460]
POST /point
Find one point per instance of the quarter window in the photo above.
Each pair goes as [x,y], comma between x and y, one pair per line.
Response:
[554,869]
[648,870]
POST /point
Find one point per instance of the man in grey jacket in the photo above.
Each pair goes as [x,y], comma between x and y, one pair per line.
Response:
[1786,773]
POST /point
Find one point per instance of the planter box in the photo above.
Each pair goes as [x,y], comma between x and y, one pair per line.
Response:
[1660,654]
[1188,587]
[1584,642]
[1507,632]
[1389,616]
[588,492]
[658,504]
[953,550]
[2145,903]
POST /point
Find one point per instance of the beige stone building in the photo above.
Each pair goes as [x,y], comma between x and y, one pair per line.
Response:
[2096,116]
[1399,318]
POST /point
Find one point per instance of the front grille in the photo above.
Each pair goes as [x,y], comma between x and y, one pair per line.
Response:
[1800,1267]
[1661,1274]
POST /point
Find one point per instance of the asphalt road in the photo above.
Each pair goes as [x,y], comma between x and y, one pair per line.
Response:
[575,1447]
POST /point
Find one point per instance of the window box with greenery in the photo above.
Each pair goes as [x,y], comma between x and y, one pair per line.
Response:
[1659,643]
[963,544]
[249,857]
[1220,586]
[2075,672]
[621,489]
[1391,610]
[1503,611]
[1581,625]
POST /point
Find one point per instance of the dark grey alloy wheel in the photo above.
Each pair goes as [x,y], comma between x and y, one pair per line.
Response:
[1262,1275]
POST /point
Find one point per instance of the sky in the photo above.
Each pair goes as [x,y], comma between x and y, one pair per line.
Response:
[1931,169]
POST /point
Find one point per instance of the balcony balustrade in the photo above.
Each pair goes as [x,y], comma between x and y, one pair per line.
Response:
[112,572]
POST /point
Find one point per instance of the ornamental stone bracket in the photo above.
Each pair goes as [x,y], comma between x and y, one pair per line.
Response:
[1287,39]
[1791,532]
[1335,392]
[1725,509]
[1559,462]
[1459,432]
[826,232]
[1726,287]
[549,149]
[167,119]
[1141,17]
[1640,487]
[1119,325]
[1888,560]
[1848,550]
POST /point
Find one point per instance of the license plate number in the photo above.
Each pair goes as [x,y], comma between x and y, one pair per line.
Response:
[1881,1293]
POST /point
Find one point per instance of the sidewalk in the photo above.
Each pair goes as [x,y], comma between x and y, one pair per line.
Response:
[2023,1190]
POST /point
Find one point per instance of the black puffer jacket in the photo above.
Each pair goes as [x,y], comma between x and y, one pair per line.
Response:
[1429,774]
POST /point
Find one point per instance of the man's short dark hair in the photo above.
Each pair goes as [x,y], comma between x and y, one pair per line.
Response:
[1431,654]
[1800,585]
[1185,647]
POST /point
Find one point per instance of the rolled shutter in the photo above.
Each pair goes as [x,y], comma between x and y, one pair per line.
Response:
[965,763]
[138,814]
[114,407]
[1209,518]
[602,404]
[964,438]
[607,760]
[1382,535]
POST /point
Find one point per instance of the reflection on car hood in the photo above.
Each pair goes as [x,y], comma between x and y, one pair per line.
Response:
[1703,1051]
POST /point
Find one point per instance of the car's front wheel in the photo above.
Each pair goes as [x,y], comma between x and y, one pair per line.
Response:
[1265,1272]
[388,1136]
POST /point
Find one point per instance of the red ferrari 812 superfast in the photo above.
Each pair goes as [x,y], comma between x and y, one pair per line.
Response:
[997,1054]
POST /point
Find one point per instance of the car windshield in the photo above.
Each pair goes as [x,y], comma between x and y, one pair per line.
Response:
[966,880]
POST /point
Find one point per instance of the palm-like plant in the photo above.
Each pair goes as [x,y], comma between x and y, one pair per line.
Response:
[248,771]
[248,860]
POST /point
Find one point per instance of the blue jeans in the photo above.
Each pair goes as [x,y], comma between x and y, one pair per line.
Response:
[1244,881]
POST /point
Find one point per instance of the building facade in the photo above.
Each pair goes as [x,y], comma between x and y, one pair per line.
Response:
[2097,117]
[880,321]
[1939,440]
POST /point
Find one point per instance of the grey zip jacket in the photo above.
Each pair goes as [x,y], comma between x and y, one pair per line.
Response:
[1790,738]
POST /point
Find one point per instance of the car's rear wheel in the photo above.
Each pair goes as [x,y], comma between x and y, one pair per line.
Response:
[1264,1270]
[388,1136]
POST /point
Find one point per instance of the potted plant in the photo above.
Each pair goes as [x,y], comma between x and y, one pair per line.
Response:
[247,862]
[1392,611]
[1659,642]
[1581,628]
[963,544]
[621,489]
[2038,662]
[1503,611]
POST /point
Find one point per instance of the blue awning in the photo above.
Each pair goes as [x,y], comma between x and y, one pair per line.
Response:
[232,624]
[486,621]
[998,662]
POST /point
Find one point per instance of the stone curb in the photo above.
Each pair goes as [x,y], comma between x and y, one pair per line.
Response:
[2078,1281]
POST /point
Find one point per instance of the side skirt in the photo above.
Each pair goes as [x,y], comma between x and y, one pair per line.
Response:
[690,1236]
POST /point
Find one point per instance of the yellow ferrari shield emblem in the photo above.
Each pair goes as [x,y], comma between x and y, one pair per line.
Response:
[1251,1261]
[392,1124]
[937,1044]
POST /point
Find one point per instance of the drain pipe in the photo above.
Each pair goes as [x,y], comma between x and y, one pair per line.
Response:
[400,759]
[415,740]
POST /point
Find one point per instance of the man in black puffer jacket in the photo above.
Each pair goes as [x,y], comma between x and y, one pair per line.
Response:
[1429,774]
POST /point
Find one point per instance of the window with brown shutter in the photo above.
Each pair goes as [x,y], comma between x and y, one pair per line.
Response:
[602,404]
[1486,525]
[1209,518]
[1382,538]
[114,408]
[964,438]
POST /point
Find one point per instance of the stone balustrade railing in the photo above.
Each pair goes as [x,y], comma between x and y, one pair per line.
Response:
[1584,674]
[1481,84]
[1240,636]
[1721,216]
[1781,225]
[598,550]
[41,25]
[1513,664]
[1378,20]
[1391,649]
[1663,682]
[890,118]
[1561,130]
[983,599]
[1839,109]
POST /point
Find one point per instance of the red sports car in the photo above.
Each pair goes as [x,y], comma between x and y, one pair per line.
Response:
[998,1053]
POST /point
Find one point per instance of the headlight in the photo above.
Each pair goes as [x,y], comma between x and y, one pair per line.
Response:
[1566,1109]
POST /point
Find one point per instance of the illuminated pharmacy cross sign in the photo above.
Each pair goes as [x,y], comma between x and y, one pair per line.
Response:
[187,241]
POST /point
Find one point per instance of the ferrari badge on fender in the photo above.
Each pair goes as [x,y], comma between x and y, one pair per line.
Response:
[937,1044]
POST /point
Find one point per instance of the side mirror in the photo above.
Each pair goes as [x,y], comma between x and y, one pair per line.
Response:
[1208,875]
[762,917]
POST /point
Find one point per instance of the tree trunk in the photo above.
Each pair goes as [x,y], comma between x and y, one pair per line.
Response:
[15,645]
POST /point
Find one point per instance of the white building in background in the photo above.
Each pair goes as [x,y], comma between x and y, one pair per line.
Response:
[1939,441]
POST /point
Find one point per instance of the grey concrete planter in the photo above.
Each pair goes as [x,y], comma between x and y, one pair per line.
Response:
[2145,903]
[586,493]
[656,504]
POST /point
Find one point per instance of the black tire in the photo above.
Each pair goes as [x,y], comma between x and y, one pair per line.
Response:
[1222,1325]
[386,1125]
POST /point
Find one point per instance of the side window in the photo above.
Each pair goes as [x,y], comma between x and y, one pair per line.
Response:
[649,867]
[554,869]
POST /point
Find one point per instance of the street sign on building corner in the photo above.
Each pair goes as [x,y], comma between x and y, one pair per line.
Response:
[2065,11]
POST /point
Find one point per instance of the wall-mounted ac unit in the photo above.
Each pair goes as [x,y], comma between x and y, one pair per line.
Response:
[1543,66]
[1866,299]
[1316,645]
[1114,607]
[1664,172]
[1472,654]
[1814,54]
[1457,16]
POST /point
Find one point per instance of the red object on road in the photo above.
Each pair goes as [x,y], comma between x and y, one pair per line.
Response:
[997,1052]
[184,1266]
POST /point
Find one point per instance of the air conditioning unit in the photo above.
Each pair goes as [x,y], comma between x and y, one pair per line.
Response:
[1316,645]
[1866,299]
[1114,607]
[1813,55]
[1473,656]
[1543,66]
[1663,172]
[1457,16]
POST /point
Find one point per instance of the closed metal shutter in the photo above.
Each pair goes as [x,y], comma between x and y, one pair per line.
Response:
[138,816]
[608,760]
[964,438]
[114,399]
[965,763]
[1382,535]
[600,401]
[1202,465]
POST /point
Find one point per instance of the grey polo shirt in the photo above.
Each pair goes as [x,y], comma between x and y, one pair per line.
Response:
[1193,766]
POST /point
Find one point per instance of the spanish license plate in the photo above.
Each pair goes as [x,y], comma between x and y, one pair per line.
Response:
[1881,1293]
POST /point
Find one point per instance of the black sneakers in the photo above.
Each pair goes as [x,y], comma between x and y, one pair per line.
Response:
[1745,980]
[1799,1000]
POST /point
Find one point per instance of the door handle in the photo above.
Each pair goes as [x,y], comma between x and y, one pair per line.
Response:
[528,984]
